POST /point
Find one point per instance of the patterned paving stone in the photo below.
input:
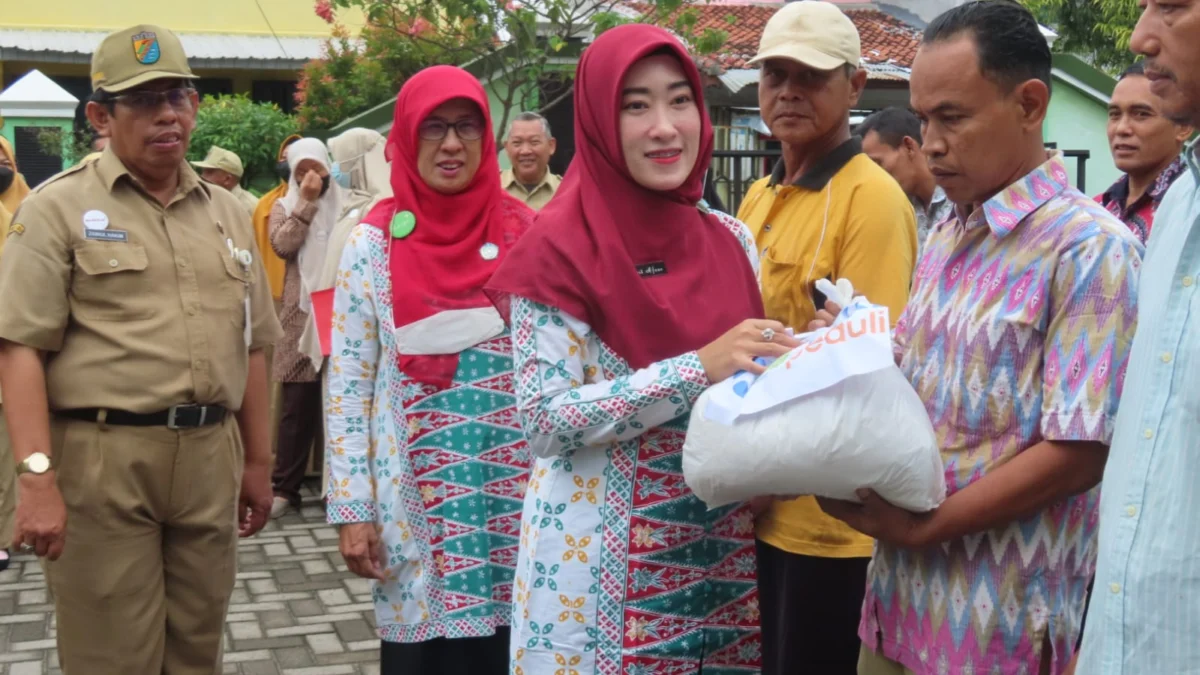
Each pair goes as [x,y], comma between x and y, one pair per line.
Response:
[296,610]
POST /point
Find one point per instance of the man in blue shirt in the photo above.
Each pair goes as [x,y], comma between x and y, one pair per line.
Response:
[1145,614]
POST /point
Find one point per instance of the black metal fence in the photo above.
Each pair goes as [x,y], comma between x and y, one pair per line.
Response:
[733,171]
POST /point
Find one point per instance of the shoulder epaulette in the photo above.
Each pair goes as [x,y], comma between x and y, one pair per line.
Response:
[58,176]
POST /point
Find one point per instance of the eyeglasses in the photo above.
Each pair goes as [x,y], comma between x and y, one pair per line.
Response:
[469,129]
[146,101]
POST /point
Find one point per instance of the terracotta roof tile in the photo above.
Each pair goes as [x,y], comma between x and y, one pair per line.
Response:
[885,39]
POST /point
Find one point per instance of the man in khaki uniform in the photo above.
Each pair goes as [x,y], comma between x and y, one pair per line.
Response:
[530,145]
[224,168]
[131,362]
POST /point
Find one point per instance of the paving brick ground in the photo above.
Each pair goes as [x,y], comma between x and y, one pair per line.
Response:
[296,610]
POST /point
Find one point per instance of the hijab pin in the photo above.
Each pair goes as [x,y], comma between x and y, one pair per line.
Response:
[403,224]
[489,251]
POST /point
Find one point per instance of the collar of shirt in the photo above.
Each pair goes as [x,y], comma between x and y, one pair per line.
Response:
[110,169]
[1193,162]
[1117,194]
[935,202]
[1012,205]
[508,177]
[823,171]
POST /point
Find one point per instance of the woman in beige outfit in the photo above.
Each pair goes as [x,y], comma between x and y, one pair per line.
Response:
[361,158]
[300,226]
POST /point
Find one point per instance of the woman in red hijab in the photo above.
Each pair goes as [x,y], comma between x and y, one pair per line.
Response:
[627,300]
[427,461]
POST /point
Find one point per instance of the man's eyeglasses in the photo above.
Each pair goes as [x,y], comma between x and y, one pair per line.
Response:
[469,129]
[179,98]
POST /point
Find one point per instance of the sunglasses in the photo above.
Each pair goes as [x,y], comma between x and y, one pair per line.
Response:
[469,129]
[179,99]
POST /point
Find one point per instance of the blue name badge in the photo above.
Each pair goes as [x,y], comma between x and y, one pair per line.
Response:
[106,235]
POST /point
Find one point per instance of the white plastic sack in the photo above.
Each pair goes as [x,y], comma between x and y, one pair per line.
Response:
[830,417]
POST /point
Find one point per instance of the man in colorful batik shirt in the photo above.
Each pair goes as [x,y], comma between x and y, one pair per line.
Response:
[1145,614]
[1145,145]
[1016,338]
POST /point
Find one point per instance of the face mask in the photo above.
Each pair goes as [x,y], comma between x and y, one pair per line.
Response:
[342,179]
[283,171]
[7,176]
[324,185]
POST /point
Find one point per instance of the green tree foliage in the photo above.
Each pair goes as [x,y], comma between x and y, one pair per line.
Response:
[71,147]
[1096,29]
[252,130]
[356,75]
[527,47]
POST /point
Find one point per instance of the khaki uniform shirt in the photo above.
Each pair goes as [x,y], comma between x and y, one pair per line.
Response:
[248,201]
[146,309]
[538,197]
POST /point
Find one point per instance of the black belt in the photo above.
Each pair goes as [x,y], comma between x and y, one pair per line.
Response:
[177,417]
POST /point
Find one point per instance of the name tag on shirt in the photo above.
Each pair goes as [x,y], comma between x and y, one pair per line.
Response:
[652,269]
[106,235]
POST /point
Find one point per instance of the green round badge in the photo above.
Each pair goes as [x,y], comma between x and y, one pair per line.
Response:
[403,224]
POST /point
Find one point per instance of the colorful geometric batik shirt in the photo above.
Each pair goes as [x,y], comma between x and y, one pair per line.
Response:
[1018,331]
[1139,216]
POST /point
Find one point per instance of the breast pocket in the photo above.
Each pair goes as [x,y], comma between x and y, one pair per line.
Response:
[1000,380]
[235,289]
[110,282]
[786,289]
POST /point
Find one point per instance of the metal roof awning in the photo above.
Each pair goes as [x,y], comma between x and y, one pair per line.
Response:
[736,80]
[204,50]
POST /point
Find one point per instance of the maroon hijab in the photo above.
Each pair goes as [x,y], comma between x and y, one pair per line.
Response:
[653,275]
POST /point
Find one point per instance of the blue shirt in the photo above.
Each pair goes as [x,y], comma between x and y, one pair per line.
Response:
[1145,613]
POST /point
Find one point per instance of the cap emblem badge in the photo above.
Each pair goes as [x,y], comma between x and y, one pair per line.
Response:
[145,48]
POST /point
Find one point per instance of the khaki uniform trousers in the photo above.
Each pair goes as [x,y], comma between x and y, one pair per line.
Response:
[8,487]
[143,585]
[871,663]
[276,394]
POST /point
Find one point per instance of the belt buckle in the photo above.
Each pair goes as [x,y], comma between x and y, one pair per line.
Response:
[173,416]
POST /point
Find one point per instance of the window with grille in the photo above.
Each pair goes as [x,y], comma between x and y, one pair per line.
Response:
[32,160]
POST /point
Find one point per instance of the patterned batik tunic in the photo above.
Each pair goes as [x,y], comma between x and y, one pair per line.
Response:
[1018,331]
[622,569]
[441,471]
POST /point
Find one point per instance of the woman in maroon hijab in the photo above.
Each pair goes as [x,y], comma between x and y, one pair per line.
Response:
[626,301]
[427,462]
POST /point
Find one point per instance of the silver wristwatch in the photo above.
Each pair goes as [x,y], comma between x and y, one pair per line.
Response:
[37,464]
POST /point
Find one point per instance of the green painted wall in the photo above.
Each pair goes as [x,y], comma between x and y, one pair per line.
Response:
[497,115]
[11,124]
[1077,121]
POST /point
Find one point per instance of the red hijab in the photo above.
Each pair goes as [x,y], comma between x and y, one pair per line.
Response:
[439,266]
[585,249]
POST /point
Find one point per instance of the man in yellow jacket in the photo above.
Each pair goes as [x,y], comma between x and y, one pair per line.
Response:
[826,212]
